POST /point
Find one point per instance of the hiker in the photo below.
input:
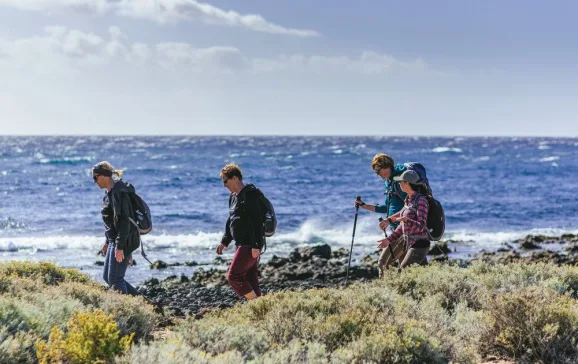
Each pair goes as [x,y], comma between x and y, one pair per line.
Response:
[384,166]
[122,237]
[412,218]
[245,226]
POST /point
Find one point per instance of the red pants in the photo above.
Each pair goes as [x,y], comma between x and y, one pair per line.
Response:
[243,275]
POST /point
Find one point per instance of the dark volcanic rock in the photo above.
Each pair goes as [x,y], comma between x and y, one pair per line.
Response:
[528,245]
[159,264]
[277,262]
[220,261]
[310,267]
[340,253]
[323,251]
[537,239]
[317,267]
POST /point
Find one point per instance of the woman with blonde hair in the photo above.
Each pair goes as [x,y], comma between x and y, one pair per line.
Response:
[122,237]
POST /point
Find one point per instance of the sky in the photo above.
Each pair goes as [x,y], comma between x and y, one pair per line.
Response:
[289,67]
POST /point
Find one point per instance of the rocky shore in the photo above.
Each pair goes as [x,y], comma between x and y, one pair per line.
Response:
[304,268]
[319,266]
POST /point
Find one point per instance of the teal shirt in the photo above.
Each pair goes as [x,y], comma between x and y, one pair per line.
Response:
[397,197]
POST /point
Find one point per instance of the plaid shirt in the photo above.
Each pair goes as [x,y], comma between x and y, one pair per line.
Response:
[416,226]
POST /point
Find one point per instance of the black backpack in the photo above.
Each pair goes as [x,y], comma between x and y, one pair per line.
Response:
[141,214]
[269,217]
[141,218]
[436,218]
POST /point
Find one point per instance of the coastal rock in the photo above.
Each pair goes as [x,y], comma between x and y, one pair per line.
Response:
[305,268]
[537,239]
[159,264]
[277,262]
[323,251]
[529,245]
[316,267]
[220,261]
[340,253]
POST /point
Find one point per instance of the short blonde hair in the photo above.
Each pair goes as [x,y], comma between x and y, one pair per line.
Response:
[382,160]
[231,170]
[116,173]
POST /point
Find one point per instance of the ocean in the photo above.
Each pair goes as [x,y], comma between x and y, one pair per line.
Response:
[493,190]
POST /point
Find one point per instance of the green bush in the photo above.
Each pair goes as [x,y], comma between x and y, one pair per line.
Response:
[90,337]
[434,314]
[389,346]
[132,314]
[48,273]
[176,351]
[17,347]
[221,336]
[296,351]
[534,324]
[31,305]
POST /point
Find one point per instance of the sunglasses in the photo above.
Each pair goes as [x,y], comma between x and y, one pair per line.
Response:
[377,169]
[225,182]
[95,177]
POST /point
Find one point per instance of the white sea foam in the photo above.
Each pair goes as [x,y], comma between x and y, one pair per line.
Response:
[446,150]
[550,159]
[310,233]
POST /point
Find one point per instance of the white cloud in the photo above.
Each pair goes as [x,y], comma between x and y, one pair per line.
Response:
[87,6]
[162,11]
[368,62]
[180,55]
[64,49]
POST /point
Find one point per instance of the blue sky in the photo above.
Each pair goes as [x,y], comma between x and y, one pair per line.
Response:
[288,67]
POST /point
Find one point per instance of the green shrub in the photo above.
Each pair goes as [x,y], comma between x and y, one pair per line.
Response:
[391,344]
[220,336]
[534,324]
[176,351]
[17,347]
[32,304]
[434,314]
[91,337]
[48,273]
[295,352]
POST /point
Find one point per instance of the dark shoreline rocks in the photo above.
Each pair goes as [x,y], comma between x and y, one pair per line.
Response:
[320,267]
[304,268]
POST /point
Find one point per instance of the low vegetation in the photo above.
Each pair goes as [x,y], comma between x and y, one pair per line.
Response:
[435,314]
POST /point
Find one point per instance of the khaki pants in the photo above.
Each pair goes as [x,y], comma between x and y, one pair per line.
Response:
[415,256]
[385,260]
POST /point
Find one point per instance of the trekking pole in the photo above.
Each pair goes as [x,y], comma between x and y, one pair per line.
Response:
[358,198]
[389,246]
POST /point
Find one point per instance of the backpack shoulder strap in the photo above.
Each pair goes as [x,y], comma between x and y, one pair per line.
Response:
[391,190]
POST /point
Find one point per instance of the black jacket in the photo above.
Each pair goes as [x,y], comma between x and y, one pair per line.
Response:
[245,222]
[116,211]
